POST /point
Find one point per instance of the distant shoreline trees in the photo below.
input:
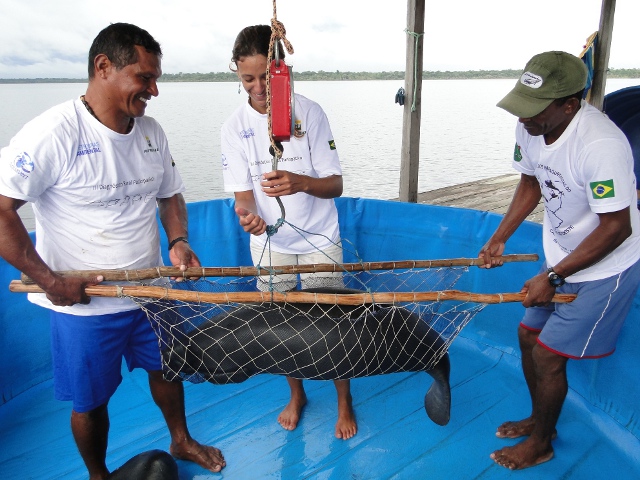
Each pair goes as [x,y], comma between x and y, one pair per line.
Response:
[333,76]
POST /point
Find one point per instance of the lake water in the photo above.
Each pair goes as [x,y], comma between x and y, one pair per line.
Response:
[464,136]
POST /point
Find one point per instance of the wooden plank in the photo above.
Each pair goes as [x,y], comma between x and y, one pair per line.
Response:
[491,195]
[410,153]
[601,56]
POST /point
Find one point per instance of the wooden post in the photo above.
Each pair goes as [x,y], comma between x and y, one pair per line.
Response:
[601,55]
[410,157]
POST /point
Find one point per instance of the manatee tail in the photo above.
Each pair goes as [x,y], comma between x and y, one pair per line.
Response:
[437,401]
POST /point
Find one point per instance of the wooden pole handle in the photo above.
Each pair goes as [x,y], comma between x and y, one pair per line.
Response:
[198,272]
[293,297]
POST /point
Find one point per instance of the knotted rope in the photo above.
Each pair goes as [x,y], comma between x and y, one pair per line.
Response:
[415,66]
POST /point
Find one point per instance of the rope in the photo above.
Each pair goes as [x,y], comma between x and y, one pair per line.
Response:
[415,66]
[278,32]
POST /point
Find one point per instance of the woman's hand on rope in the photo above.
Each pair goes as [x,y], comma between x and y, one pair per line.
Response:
[250,222]
[278,183]
[182,256]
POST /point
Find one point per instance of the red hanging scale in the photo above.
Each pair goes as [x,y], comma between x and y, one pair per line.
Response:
[282,100]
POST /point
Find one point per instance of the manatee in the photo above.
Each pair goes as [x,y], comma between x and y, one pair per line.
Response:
[315,342]
[150,465]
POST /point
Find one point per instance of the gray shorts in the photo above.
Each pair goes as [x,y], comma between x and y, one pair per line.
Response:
[589,326]
[283,283]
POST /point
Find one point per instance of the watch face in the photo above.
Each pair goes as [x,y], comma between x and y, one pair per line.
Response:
[555,279]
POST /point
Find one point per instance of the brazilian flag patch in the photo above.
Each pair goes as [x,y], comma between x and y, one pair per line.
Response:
[517,154]
[602,189]
[332,144]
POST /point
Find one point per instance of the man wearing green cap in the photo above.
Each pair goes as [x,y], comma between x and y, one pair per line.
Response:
[575,159]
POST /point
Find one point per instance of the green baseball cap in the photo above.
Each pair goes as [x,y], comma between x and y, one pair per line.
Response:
[546,77]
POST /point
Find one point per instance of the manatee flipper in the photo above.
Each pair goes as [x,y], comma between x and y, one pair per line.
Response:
[437,401]
[151,465]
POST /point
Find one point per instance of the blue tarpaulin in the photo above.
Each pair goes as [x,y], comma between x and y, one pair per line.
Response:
[623,107]
[598,430]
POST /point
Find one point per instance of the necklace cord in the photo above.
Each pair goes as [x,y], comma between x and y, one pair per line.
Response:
[93,114]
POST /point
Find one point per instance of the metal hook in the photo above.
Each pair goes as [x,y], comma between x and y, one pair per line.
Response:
[271,230]
[276,46]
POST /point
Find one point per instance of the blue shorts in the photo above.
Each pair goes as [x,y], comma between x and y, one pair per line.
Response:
[589,326]
[87,354]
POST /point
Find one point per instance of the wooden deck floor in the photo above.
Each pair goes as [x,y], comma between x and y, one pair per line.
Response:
[491,194]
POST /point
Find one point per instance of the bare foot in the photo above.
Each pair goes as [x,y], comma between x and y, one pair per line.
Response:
[207,457]
[346,426]
[527,453]
[518,429]
[290,416]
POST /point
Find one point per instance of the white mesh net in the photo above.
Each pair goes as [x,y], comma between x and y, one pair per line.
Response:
[320,332]
[350,319]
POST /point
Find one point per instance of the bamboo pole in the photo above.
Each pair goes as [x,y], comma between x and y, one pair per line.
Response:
[292,297]
[197,272]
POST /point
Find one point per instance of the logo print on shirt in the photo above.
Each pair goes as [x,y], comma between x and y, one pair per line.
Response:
[602,189]
[297,130]
[24,162]
[247,133]
[332,145]
[150,149]
[87,148]
[23,165]
[517,154]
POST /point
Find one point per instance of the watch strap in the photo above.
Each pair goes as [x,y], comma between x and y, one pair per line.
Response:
[555,280]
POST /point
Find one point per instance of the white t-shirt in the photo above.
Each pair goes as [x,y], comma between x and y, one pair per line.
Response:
[311,151]
[588,170]
[94,193]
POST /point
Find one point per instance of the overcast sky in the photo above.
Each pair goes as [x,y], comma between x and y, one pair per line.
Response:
[45,38]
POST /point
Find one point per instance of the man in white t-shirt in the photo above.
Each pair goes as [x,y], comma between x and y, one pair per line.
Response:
[576,159]
[94,169]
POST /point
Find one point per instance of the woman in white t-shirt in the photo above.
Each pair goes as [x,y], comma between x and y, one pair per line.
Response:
[306,180]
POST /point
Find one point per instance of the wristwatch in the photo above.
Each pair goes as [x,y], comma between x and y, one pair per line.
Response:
[555,280]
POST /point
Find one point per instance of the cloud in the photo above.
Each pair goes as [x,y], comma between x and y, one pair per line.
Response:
[328,27]
[40,38]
